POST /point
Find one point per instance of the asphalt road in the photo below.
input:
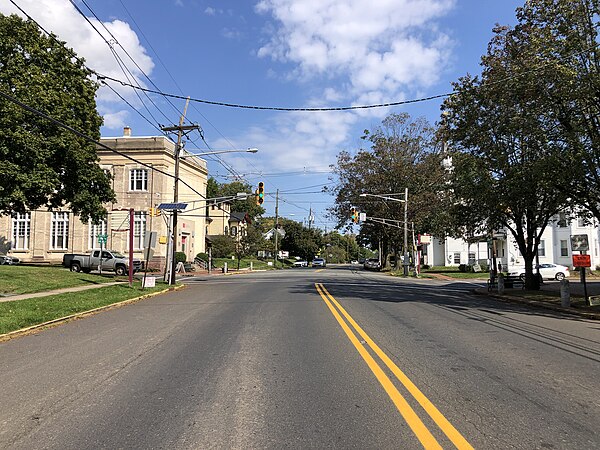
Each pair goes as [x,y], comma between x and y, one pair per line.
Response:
[305,358]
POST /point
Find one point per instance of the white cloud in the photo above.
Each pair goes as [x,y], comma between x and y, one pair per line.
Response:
[115,120]
[388,47]
[359,52]
[210,11]
[61,18]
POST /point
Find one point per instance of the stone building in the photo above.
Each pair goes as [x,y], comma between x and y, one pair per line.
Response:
[143,170]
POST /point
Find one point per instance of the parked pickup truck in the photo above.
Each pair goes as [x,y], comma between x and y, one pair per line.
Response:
[111,260]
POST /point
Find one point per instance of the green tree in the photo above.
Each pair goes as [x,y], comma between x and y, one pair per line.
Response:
[216,189]
[223,246]
[299,240]
[403,154]
[44,165]
[562,38]
[507,157]
[252,241]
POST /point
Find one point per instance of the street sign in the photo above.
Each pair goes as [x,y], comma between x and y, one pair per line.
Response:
[102,238]
[150,239]
[582,261]
[580,243]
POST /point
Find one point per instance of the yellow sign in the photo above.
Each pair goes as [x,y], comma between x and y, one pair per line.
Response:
[162,240]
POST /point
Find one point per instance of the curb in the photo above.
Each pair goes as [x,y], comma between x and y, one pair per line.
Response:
[538,304]
[23,331]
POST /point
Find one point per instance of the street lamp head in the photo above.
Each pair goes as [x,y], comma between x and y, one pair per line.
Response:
[363,195]
[252,150]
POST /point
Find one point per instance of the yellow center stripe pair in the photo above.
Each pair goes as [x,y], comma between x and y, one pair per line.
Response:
[410,416]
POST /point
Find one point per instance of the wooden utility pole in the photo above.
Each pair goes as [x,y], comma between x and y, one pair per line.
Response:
[276,226]
[182,130]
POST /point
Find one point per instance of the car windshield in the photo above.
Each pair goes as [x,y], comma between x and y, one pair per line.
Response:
[118,255]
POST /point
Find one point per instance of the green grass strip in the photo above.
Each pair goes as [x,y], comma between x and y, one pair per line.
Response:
[19,314]
[18,279]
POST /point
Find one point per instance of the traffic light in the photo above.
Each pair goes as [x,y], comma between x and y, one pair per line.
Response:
[154,212]
[260,193]
[354,215]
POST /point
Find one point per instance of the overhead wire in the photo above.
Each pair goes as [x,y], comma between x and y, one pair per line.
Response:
[119,60]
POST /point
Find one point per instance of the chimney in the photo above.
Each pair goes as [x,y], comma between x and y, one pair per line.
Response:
[126,132]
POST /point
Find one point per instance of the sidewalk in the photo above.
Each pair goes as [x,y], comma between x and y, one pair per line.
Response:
[10,298]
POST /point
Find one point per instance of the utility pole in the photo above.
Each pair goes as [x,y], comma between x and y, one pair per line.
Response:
[405,232]
[276,226]
[181,131]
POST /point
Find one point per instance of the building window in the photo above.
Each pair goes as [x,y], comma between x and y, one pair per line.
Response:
[562,220]
[59,231]
[95,231]
[542,248]
[564,249]
[456,258]
[21,230]
[471,259]
[139,229]
[138,180]
[226,231]
[233,231]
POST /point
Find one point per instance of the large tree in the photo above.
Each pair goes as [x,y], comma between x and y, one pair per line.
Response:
[508,157]
[403,154]
[562,38]
[214,189]
[44,165]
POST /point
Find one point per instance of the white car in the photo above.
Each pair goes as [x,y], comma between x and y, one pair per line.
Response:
[548,271]
[301,264]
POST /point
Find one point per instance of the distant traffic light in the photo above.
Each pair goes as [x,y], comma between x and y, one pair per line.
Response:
[260,193]
[154,212]
[354,215]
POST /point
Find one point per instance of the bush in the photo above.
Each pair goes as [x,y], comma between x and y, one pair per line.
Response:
[463,268]
[425,266]
[180,257]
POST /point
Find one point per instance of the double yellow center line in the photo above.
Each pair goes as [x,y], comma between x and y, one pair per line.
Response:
[410,416]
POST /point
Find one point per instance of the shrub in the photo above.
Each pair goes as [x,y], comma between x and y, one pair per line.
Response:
[463,268]
[180,257]
[425,266]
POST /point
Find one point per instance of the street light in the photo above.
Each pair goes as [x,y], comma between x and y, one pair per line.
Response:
[405,201]
[217,152]
[177,156]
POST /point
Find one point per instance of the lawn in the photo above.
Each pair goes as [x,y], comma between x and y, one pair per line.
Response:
[18,314]
[232,264]
[23,279]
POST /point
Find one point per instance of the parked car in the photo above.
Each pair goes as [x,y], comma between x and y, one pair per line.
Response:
[7,259]
[300,264]
[548,271]
[372,264]
[110,260]
[318,262]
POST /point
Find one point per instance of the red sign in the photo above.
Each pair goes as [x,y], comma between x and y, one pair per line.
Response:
[582,261]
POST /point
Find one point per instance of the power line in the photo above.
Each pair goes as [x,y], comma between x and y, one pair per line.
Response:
[279,108]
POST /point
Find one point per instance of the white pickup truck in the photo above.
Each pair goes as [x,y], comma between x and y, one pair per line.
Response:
[110,260]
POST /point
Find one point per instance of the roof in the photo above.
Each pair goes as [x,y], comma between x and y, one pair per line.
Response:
[240,216]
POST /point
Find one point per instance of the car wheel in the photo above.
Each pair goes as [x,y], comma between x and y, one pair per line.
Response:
[560,276]
[75,267]
[120,270]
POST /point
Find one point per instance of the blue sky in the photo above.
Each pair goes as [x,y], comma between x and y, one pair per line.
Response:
[277,53]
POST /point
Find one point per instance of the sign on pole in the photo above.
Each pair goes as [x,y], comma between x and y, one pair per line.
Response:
[582,261]
[580,243]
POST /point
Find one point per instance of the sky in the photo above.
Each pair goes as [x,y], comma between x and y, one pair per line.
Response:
[272,53]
